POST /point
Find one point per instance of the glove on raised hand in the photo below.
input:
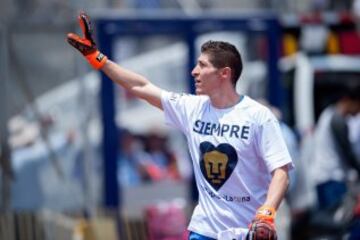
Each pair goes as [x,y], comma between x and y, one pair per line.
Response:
[262,227]
[86,44]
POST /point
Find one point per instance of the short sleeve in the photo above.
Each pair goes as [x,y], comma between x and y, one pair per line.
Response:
[174,109]
[272,146]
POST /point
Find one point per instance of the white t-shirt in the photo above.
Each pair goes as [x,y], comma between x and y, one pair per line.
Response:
[233,151]
[326,164]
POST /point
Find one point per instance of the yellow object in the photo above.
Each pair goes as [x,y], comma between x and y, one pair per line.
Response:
[290,45]
[79,230]
[332,45]
[98,228]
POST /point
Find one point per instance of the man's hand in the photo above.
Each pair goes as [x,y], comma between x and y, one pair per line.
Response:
[262,227]
[86,44]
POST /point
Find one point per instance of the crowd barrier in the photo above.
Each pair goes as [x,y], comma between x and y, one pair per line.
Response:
[49,225]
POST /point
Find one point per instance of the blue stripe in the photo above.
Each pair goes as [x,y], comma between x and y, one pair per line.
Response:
[196,236]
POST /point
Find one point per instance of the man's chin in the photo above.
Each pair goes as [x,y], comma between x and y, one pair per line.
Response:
[199,92]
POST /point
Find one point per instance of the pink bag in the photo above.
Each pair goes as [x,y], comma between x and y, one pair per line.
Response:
[166,221]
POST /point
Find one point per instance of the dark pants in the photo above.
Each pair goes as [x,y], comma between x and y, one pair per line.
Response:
[330,194]
[196,236]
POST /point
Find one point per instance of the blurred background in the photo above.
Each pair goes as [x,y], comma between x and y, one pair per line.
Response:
[80,158]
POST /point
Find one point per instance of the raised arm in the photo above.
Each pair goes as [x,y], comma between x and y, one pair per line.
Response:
[131,81]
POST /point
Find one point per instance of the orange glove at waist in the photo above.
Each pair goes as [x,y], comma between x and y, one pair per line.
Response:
[266,213]
[263,227]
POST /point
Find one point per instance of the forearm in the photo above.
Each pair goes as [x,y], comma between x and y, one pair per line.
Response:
[124,77]
[133,82]
[264,221]
[277,188]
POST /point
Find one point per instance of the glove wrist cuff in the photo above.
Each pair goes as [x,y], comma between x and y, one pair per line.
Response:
[96,59]
[266,213]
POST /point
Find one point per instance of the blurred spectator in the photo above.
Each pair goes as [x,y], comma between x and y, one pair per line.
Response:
[129,161]
[160,162]
[22,132]
[333,156]
[354,130]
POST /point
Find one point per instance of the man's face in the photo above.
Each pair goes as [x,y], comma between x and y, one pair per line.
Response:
[206,76]
[353,107]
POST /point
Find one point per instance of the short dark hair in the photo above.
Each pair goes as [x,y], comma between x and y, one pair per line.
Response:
[351,91]
[223,54]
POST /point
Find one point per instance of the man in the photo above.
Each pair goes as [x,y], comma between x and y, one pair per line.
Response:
[333,155]
[239,157]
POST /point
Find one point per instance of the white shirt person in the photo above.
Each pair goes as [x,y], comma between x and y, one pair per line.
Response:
[239,157]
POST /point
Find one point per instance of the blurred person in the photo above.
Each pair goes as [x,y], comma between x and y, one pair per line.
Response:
[130,171]
[159,162]
[354,134]
[333,156]
[240,159]
[35,157]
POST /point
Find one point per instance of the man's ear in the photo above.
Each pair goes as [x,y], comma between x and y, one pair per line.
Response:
[225,73]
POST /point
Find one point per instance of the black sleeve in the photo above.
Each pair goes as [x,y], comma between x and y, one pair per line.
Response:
[340,133]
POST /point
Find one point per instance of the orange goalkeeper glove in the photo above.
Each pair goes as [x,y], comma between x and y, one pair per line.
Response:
[263,227]
[266,213]
[86,44]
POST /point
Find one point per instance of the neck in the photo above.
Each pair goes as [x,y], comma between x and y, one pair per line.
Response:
[224,100]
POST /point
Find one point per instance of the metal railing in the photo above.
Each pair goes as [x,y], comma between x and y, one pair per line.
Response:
[48,225]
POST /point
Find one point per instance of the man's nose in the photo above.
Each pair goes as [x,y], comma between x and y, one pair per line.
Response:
[194,72]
